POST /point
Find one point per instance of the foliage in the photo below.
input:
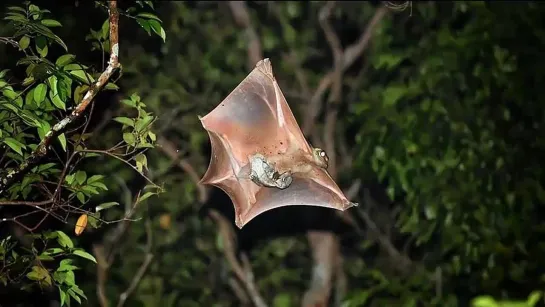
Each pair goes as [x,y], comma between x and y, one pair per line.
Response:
[43,249]
[33,111]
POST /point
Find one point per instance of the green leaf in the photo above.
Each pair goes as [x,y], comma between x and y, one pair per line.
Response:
[51,23]
[82,76]
[64,60]
[33,8]
[15,145]
[81,176]
[93,219]
[79,92]
[81,197]
[149,3]
[62,140]
[39,93]
[148,15]
[24,42]
[94,178]
[392,94]
[3,73]
[144,24]
[54,250]
[78,291]
[84,254]
[74,66]
[39,274]
[99,185]
[111,86]
[484,301]
[62,296]
[16,8]
[66,266]
[64,87]
[157,28]
[13,97]
[152,136]
[125,121]
[43,129]
[64,240]
[105,206]
[141,162]
[53,94]
[17,17]
[105,29]
[129,138]
[387,61]
[45,257]
[41,46]
[43,30]
[533,298]
[143,123]
[146,196]
[282,300]
[74,295]
[29,98]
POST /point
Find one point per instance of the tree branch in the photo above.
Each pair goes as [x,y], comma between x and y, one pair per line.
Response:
[242,271]
[240,13]
[141,271]
[10,177]
[105,253]
[351,53]
[327,257]
[335,95]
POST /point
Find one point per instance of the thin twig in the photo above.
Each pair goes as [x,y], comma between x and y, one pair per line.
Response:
[106,152]
[25,203]
[170,150]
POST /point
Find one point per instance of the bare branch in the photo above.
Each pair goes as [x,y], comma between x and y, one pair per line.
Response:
[326,255]
[240,13]
[402,262]
[102,274]
[108,153]
[25,203]
[11,176]
[335,95]
[351,53]
[242,271]
[105,254]
[142,270]
[239,291]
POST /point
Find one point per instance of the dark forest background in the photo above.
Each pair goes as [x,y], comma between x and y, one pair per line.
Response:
[432,114]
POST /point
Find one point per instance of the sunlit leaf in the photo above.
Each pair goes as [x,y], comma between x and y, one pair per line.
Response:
[105,206]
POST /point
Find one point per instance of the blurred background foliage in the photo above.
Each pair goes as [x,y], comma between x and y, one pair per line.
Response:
[440,130]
